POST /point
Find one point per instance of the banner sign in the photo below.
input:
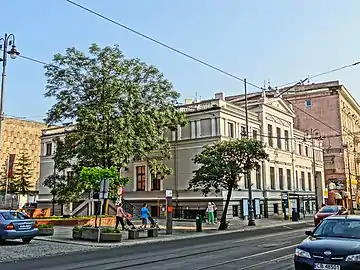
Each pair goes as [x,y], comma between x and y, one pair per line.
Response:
[11,165]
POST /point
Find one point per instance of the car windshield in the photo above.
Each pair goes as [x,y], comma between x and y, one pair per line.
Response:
[329,209]
[12,215]
[341,228]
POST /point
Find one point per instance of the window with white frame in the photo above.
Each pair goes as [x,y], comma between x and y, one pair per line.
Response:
[140,177]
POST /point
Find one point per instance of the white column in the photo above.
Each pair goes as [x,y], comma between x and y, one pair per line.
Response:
[213,127]
[179,132]
[193,129]
[198,125]
[148,178]
[134,178]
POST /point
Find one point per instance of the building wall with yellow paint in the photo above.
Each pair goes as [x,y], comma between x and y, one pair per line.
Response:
[19,135]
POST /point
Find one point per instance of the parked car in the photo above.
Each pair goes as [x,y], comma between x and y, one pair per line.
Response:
[327,211]
[17,225]
[334,244]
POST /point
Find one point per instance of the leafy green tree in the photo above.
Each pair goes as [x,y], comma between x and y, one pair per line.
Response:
[122,107]
[221,166]
[64,190]
[91,178]
[23,174]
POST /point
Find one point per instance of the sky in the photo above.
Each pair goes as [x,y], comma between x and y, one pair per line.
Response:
[278,41]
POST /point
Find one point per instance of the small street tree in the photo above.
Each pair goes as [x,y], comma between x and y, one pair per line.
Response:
[221,166]
[23,174]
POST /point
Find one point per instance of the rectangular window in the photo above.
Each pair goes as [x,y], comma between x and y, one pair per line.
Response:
[308,103]
[306,151]
[155,183]
[286,134]
[243,132]
[255,135]
[258,177]
[288,177]
[272,177]
[302,180]
[300,149]
[270,135]
[49,149]
[231,130]
[278,137]
[309,181]
[140,178]
[281,178]
[235,210]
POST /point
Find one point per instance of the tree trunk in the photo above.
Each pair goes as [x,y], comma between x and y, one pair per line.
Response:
[223,224]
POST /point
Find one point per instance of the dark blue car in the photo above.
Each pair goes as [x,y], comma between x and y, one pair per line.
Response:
[334,245]
[17,225]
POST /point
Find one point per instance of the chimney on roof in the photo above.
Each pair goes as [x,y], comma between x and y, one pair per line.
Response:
[188,101]
[219,96]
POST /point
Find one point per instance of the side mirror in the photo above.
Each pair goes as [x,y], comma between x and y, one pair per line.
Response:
[308,233]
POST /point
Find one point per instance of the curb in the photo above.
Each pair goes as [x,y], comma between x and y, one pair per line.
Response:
[245,232]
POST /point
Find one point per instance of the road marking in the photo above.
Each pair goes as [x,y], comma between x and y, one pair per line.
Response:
[247,257]
[283,258]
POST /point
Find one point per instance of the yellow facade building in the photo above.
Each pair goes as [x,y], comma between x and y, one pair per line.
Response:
[19,135]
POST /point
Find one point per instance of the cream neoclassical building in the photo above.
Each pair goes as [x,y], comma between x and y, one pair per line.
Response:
[290,168]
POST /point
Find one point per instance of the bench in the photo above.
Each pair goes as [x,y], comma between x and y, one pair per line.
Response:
[135,233]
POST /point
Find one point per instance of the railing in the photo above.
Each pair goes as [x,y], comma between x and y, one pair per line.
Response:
[131,209]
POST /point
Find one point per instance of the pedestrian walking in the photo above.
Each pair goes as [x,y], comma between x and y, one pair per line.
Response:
[144,215]
[120,215]
[210,212]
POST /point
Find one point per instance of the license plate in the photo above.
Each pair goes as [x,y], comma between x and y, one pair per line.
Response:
[324,266]
[24,226]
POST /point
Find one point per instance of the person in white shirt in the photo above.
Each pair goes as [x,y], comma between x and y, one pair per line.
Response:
[210,210]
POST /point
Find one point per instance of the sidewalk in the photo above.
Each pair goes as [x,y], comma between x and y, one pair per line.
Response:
[181,230]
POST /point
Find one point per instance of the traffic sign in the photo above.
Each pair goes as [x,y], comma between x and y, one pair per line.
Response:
[104,189]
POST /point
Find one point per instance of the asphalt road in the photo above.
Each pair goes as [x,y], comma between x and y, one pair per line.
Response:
[270,252]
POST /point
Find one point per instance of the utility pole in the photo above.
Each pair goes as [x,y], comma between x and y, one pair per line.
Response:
[349,172]
[314,173]
[250,203]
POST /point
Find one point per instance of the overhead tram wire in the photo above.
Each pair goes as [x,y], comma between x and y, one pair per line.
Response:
[209,65]
[162,44]
[44,63]
[315,118]
[296,83]
[321,74]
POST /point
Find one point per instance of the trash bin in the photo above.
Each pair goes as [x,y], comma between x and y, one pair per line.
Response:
[198,223]
[294,215]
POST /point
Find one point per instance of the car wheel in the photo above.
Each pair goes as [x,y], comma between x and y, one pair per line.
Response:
[26,240]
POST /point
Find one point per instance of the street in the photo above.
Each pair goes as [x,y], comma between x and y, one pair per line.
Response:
[273,251]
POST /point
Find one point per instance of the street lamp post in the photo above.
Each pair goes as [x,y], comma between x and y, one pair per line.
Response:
[250,203]
[312,133]
[347,147]
[6,41]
